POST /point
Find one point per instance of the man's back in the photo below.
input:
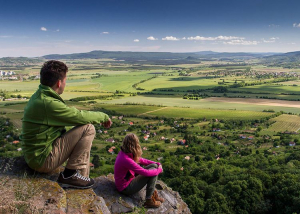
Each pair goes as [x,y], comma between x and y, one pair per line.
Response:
[37,133]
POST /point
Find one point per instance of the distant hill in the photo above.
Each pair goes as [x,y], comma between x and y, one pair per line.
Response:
[205,52]
[19,61]
[286,57]
[231,55]
[123,55]
[287,60]
[160,57]
[126,55]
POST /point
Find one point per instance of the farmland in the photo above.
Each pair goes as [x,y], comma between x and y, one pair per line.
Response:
[214,126]
[285,123]
[189,113]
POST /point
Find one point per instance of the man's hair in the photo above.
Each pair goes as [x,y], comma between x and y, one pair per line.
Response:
[52,71]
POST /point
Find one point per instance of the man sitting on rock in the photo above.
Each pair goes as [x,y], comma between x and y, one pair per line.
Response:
[46,144]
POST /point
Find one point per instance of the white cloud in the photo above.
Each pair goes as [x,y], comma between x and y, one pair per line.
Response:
[5,37]
[183,38]
[43,29]
[201,38]
[222,38]
[170,38]
[136,40]
[228,37]
[273,26]
[240,42]
[57,30]
[227,40]
[271,40]
[105,33]
[152,38]
[296,25]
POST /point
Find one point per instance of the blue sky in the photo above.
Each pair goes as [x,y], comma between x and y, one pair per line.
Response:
[35,28]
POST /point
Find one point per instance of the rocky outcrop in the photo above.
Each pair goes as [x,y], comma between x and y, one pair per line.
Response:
[26,191]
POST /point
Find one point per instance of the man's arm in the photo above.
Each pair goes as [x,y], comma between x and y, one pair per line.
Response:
[59,114]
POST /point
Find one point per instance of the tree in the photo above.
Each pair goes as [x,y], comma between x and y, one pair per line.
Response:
[216,204]
[96,161]
[167,141]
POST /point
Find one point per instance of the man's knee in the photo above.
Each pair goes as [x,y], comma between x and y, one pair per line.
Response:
[88,134]
[91,129]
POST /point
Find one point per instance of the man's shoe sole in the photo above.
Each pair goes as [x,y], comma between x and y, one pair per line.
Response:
[75,187]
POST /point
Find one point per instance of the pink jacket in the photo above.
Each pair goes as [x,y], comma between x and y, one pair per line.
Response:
[125,163]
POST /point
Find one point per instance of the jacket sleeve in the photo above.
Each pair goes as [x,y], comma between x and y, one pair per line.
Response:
[144,161]
[59,114]
[140,170]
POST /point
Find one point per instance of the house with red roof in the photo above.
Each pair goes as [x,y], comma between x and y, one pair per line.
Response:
[111,140]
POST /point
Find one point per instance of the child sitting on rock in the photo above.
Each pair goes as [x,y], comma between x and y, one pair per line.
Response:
[127,165]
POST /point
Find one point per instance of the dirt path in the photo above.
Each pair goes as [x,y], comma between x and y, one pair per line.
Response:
[152,111]
[267,102]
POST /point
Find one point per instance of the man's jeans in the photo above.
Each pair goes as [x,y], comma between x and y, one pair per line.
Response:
[74,146]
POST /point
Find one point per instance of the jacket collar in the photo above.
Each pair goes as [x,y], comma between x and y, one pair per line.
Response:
[50,92]
[128,154]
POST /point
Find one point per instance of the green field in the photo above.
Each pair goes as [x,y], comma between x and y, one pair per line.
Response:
[183,83]
[209,114]
[203,103]
[24,86]
[190,113]
[284,123]
[130,109]
[270,89]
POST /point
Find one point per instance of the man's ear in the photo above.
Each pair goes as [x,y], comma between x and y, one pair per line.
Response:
[58,83]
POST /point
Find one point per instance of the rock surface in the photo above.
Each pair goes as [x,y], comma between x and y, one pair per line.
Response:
[26,191]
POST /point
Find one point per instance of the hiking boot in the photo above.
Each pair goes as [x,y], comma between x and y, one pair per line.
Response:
[157,198]
[151,203]
[75,181]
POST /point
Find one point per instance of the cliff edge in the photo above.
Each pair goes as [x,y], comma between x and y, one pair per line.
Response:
[26,191]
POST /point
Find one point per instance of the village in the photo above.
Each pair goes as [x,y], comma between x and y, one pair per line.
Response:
[8,75]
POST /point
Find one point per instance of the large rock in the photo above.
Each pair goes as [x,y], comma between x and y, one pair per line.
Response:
[119,203]
[26,191]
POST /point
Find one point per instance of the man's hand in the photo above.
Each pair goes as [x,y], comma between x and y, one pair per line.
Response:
[107,124]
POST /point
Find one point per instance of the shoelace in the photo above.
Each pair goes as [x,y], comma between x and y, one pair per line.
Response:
[78,175]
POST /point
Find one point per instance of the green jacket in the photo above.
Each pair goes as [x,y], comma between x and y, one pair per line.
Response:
[45,118]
